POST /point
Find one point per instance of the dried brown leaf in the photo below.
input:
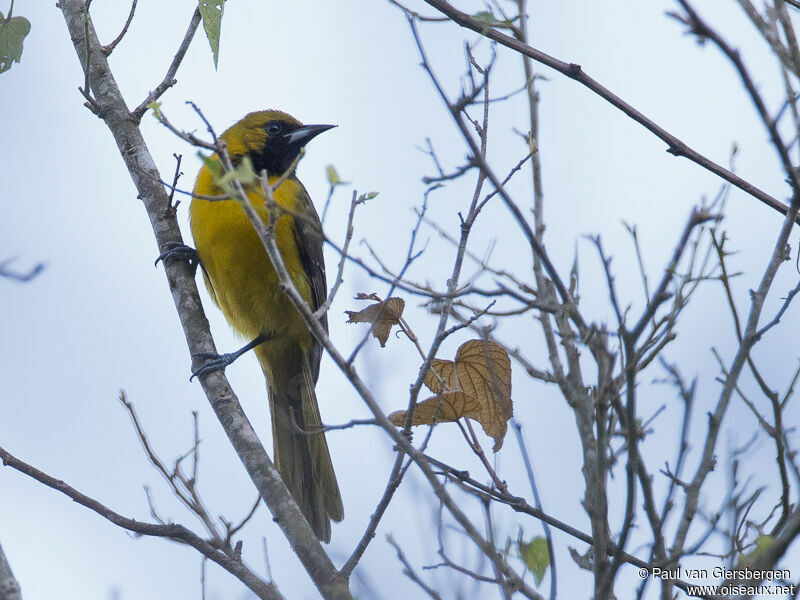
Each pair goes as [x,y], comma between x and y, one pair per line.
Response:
[450,406]
[476,385]
[365,296]
[440,371]
[382,315]
[483,370]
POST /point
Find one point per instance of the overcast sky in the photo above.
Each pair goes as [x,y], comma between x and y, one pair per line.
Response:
[100,318]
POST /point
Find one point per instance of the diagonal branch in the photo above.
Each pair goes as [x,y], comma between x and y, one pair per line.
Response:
[704,31]
[169,79]
[266,234]
[171,531]
[109,48]
[573,71]
[749,339]
[182,285]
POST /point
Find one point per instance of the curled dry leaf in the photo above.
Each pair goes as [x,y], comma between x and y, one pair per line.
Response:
[382,315]
[450,406]
[476,385]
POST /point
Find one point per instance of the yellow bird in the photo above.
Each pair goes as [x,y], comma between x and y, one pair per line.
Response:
[244,285]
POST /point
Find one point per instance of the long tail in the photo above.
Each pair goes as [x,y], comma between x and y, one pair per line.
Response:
[302,456]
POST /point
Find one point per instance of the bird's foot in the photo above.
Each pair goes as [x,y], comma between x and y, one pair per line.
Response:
[218,362]
[179,251]
[213,362]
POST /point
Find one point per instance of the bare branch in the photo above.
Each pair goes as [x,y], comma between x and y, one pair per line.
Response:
[109,48]
[409,572]
[573,71]
[169,79]
[340,269]
[221,397]
[700,28]
[170,531]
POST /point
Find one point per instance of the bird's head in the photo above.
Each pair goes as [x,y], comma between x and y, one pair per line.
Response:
[271,138]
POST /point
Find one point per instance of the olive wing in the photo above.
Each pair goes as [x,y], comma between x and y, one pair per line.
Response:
[309,238]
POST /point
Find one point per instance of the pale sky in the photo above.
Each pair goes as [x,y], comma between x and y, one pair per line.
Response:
[100,317]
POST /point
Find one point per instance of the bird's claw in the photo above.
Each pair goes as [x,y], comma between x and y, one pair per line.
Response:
[178,251]
[212,362]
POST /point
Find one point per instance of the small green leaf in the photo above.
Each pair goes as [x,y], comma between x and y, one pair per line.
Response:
[213,164]
[333,175]
[487,18]
[535,556]
[763,543]
[211,12]
[156,108]
[368,196]
[244,174]
[12,34]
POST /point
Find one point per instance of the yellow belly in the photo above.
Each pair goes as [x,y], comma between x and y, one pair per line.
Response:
[243,282]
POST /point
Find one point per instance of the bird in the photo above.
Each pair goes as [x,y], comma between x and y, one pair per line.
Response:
[243,283]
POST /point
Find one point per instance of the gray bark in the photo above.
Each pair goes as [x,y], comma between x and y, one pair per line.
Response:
[9,586]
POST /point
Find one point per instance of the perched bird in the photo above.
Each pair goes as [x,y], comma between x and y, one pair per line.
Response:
[244,285]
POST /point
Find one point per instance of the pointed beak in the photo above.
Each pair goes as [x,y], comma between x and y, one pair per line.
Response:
[300,137]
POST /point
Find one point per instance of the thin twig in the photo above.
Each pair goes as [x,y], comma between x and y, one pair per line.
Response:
[169,79]
[526,458]
[574,71]
[409,572]
[28,275]
[700,28]
[170,531]
[109,48]
[343,257]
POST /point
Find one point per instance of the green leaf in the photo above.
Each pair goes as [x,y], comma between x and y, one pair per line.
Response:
[156,108]
[333,175]
[12,34]
[213,164]
[244,174]
[763,543]
[535,556]
[368,196]
[487,18]
[211,12]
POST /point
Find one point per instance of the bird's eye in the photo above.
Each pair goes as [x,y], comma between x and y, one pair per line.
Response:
[273,128]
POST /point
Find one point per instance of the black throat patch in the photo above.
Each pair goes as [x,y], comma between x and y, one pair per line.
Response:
[276,156]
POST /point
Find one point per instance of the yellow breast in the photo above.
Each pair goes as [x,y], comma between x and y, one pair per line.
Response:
[240,276]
